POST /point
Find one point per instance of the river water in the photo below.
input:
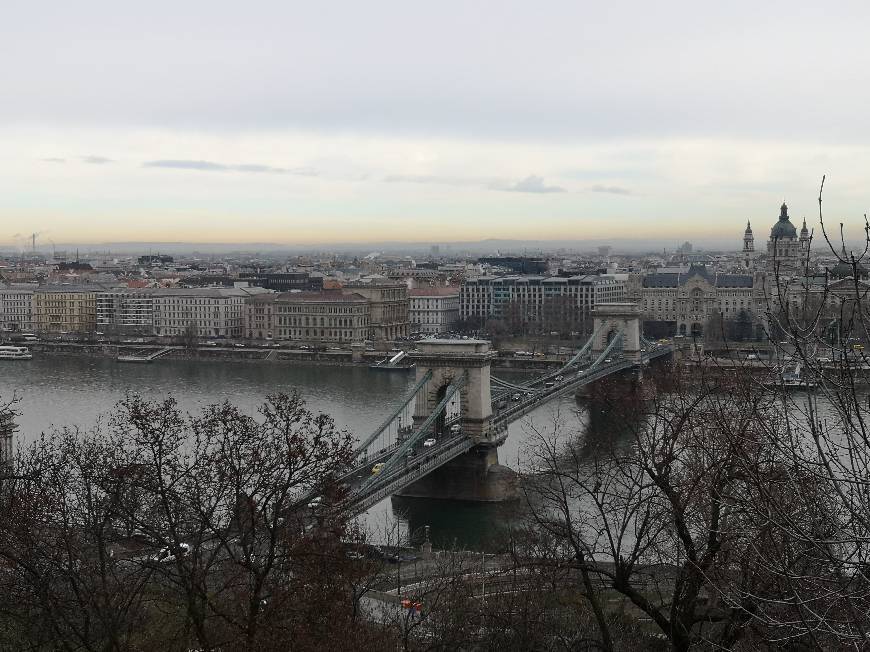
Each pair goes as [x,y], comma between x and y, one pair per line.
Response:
[75,391]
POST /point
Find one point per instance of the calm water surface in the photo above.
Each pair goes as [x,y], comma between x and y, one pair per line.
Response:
[72,390]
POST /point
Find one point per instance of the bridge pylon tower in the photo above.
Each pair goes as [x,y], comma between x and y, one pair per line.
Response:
[612,318]
[476,475]
[447,360]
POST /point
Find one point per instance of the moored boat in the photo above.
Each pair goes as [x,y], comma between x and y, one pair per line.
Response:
[9,352]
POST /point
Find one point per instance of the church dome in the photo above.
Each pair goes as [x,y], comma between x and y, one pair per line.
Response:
[845,269]
[783,228]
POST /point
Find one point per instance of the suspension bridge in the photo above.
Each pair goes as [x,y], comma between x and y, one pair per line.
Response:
[442,439]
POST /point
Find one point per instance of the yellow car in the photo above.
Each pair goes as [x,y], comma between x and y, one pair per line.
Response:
[377,468]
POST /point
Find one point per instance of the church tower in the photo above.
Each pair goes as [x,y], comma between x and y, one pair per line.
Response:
[748,246]
[804,238]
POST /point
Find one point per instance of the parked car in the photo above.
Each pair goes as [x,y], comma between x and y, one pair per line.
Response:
[377,468]
[429,442]
[166,555]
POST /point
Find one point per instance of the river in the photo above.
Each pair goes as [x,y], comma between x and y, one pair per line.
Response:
[75,391]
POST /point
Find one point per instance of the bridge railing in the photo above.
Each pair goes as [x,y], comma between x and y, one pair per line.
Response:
[402,477]
[583,377]
[410,396]
[421,431]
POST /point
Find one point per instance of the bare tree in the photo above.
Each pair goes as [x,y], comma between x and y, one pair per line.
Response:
[181,530]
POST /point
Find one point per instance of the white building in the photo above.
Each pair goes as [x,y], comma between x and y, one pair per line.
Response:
[16,308]
[433,310]
[211,312]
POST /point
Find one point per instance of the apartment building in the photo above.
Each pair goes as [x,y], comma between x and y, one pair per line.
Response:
[389,309]
[433,310]
[16,308]
[126,311]
[309,317]
[65,309]
[210,312]
[532,297]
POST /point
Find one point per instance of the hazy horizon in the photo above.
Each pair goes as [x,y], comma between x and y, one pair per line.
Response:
[306,125]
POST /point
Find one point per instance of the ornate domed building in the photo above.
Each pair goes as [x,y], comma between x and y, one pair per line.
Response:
[785,249]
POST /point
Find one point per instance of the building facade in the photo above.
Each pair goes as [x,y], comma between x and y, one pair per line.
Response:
[206,312]
[488,297]
[126,311]
[389,309]
[330,317]
[65,309]
[433,310]
[683,302]
[16,309]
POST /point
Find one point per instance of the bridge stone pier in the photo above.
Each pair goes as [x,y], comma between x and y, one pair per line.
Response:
[610,319]
[475,475]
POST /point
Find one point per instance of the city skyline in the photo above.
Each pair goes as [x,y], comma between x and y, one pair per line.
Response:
[304,126]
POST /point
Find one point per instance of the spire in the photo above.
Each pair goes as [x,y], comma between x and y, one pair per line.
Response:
[748,228]
[783,212]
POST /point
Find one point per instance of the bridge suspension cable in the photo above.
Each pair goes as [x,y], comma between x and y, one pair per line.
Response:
[584,351]
[417,435]
[616,341]
[410,396]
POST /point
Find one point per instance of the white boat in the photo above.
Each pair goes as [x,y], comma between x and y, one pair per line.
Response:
[15,353]
[793,380]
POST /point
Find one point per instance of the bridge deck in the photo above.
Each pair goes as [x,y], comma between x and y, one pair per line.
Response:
[364,495]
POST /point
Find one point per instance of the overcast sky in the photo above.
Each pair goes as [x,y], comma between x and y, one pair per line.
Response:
[295,122]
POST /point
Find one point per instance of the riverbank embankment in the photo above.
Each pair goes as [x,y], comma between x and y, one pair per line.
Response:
[270,355]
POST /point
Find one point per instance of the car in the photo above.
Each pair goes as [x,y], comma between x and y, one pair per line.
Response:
[166,555]
[377,468]
[455,429]
[429,442]
[752,356]
[559,378]
[608,360]
[549,384]
[315,502]
[211,343]
[239,345]
[823,360]
[516,397]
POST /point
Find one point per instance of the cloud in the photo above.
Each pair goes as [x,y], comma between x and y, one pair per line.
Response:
[422,178]
[531,183]
[96,160]
[54,160]
[611,190]
[211,166]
